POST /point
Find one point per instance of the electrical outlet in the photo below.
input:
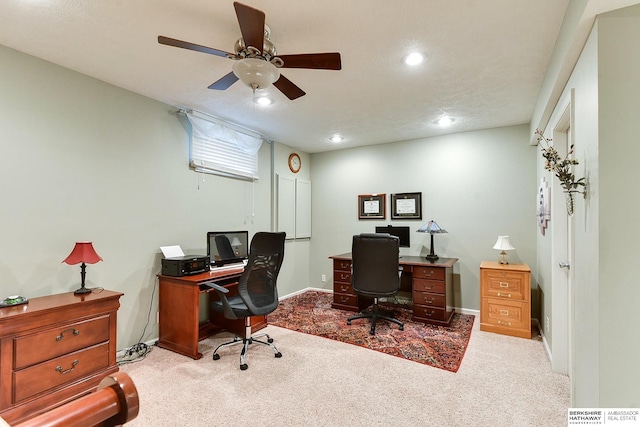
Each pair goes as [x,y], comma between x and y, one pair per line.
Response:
[547,325]
[324,278]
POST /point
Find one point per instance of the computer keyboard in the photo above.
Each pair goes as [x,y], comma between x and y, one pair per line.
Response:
[231,266]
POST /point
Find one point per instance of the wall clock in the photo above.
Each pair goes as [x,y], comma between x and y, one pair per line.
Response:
[294,162]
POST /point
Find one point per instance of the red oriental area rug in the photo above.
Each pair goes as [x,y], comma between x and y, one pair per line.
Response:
[438,346]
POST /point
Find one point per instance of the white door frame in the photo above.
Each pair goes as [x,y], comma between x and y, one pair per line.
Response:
[561,251]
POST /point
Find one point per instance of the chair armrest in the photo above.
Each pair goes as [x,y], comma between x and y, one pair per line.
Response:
[222,294]
[216,287]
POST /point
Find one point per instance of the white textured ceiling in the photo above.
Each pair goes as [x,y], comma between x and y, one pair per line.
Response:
[486,60]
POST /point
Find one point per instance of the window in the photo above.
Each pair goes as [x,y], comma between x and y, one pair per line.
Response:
[219,148]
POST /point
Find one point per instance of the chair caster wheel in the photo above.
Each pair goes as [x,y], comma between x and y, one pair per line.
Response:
[348,322]
[270,340]
[401,328]
[216,356]
[244,367]
[372,332]
[278,354]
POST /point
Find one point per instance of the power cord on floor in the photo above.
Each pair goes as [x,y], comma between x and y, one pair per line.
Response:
[138,352]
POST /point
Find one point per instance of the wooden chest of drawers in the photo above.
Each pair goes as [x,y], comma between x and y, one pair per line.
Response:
[54,349]
[505,299]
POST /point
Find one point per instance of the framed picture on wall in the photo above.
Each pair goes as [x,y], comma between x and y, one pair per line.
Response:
[406,206]
[371,206]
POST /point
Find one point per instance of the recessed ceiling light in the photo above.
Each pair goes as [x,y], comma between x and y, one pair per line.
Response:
[336,138]
[263,100]
[414,58]
[445,121]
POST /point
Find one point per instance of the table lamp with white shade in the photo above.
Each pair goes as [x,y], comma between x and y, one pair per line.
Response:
[503,244]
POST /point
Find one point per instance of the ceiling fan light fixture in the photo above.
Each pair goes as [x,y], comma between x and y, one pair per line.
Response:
[256,73]
[263,100]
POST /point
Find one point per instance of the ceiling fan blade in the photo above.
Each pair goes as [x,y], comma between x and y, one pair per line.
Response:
[318,61]
[251,25]
[289,89]
[224,82]
[191,46]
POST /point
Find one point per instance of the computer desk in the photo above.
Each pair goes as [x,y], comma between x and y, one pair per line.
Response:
[430,283]
[180,328]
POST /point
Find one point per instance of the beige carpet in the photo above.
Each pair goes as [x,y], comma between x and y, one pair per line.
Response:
[503,381]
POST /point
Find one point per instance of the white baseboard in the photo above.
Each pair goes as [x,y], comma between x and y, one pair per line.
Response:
[305,290]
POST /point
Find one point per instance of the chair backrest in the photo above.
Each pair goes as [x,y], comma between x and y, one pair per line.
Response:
[223,245]
[375,264]
[257,286]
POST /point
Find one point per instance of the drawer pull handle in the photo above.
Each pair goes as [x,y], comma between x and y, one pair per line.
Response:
[66,371]
[500,322]
[500,294]
[344,276]
[504,284]
[504,312]
[429,274]
[75,332]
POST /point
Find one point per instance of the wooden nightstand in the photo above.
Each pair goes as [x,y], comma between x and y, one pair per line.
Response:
[505,298]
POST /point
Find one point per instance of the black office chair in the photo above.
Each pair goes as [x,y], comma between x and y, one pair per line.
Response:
[375,272]
[257,291]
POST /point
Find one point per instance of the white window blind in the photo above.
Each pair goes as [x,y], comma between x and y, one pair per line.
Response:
[220,149]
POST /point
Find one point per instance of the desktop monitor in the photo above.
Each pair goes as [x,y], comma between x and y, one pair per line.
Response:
[224,247]
[402,233]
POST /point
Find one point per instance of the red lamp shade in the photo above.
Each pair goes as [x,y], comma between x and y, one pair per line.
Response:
[83,252]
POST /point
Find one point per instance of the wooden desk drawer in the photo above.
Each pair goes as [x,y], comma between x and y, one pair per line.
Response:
[342,265]
[431,313]
[30,381]
[342,276]
[344,299]
[54,342]
[424,298]
[506,314]
[343,288]
[432,286]
[435,273]
[503,284]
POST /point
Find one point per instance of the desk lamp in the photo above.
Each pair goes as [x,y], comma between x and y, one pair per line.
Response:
[235,243]
[82,252]
[502,244]
[432,228]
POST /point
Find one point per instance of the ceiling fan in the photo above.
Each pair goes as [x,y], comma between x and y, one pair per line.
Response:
[257,63]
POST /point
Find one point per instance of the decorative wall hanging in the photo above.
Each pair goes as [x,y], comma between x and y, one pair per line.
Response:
[371,206]
[544,205]
[406,206]
[561,167]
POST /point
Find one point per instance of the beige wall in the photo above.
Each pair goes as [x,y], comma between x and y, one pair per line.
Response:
[606,93]
[477,185]
[84,160]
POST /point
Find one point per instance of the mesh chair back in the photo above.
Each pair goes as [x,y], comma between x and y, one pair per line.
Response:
[375,264]
[257,285]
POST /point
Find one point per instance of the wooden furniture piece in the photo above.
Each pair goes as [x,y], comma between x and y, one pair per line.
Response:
[114,403]
[505,298]
[181,325]
[55,349]
[431,283]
